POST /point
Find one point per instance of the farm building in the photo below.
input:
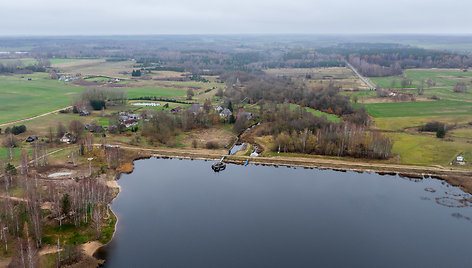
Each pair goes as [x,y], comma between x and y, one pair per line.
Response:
[32,138]
[67,138]
[176,110]
[226,113]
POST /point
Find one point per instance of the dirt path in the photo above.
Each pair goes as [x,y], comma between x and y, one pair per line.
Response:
[17,199]
[48,250]
[34,117]
[312,160]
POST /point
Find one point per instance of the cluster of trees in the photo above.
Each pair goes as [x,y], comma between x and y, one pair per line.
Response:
[98,98]
[163,127]
[460,87]
[438,127]
[15,130]
[136,73]
[373,69]
[264,88]
[390,59]
[302,132]
[18,67]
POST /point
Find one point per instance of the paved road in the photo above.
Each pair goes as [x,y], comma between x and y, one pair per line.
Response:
[367,82]
[34,117]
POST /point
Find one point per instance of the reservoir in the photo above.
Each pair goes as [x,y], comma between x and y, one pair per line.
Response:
[179,213]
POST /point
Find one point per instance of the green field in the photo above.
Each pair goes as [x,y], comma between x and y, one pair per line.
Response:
[60,61]
[426,108]
[20,98]
[400,123]
[136,92]
[25,61]
[426,150]
[442,78]
[331,117]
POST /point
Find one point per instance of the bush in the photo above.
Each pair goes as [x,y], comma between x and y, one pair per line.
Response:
[441,133]
[15,130]
[431,127]
[97,105]
[212,145]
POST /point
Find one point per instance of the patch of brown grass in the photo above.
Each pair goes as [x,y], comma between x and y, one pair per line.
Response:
[127,168]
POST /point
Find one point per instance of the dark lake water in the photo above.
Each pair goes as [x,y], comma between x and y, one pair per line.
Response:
[179,213]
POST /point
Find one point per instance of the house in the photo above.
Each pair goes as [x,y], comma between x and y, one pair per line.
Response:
[84,112]
[176,110]
[130,123]
[124,116]
[226,113]
[218,108]
[134,116]
[32,138]
[67,138]
[195,108]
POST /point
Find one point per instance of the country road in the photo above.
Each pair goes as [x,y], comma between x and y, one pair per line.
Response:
[34,117]
[367,82]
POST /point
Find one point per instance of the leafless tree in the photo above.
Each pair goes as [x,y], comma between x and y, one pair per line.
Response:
[76,127]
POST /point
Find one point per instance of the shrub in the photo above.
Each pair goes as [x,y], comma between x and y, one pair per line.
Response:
[15,130]
[212,145]
[441,132]
[97,105]
[432,126]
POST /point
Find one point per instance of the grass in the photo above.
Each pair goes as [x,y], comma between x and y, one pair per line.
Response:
[63,60]
[331,117]
[20,98]
[69,234]
[98,67]
[461,133]
[427,108]
[400,123]
[426,150]
[25,61]
[442,78]
[137,92]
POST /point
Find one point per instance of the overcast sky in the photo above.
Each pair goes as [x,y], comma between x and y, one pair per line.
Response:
[97,17]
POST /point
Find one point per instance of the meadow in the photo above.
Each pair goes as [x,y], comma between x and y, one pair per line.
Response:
[442,78]
[136,92]
[427,150]
[21,98]
[426,108]
[340,76]
[331,117]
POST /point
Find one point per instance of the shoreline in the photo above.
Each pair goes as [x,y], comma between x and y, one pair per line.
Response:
[455,177]
[452,177]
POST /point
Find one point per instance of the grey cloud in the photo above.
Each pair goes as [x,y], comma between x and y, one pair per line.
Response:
[56,17]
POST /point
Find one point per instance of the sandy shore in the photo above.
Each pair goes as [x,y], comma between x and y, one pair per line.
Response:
[89,248]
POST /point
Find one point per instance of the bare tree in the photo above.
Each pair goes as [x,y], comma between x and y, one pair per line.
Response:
[76,127]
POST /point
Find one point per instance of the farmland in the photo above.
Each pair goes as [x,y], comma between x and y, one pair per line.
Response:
[427,108]
[22,98]
[441,78]
[331,117]
[340,76]
[136,92]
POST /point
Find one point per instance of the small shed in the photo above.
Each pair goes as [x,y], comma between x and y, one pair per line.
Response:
[32,138]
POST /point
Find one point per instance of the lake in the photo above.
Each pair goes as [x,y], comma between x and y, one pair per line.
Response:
[179,213]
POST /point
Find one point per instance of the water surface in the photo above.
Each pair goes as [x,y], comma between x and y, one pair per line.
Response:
[179,213]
